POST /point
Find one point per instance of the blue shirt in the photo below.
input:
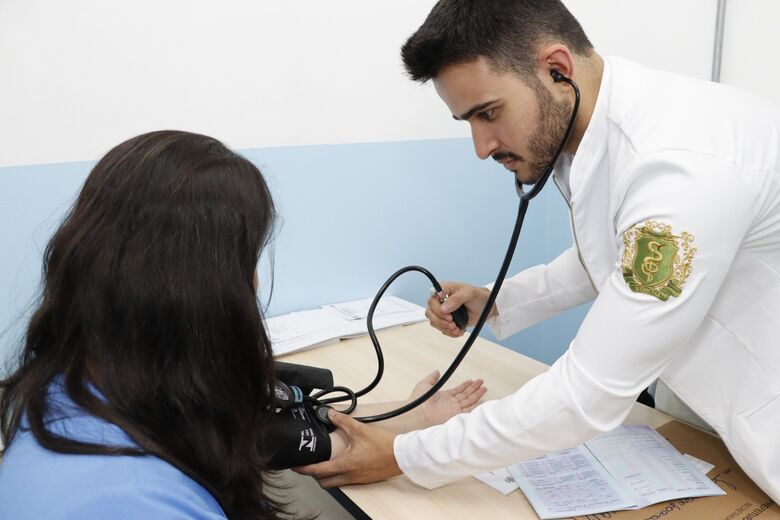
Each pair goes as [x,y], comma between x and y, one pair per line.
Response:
[36,483]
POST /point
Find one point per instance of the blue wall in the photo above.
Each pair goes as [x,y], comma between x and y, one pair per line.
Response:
[350,216]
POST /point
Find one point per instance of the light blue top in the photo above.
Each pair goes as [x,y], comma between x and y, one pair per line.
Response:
[36,483]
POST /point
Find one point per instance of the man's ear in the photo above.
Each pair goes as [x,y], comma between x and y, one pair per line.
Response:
[551,57]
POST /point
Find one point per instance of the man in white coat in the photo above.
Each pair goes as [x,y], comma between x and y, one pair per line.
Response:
[674,190]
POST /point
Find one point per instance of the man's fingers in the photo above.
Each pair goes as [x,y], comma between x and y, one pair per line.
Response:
[436,322]
[334,481]
[454,301]
[451,287]
[451,333]
[320,470]
[434,305]
[368,458]
[446,326]
[350,426]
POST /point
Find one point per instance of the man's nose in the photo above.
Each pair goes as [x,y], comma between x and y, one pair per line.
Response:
[485,144]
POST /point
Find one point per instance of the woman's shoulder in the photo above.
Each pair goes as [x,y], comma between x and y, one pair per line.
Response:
[39,483]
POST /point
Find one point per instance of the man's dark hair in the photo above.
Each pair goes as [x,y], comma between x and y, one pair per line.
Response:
[507,32]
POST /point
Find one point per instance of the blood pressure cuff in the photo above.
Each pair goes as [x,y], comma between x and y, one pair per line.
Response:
[295,436]
[305,377]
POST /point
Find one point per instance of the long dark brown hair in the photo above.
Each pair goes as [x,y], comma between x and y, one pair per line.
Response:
[148,294]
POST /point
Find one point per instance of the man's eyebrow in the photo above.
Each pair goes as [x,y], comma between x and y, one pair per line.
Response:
[474,110]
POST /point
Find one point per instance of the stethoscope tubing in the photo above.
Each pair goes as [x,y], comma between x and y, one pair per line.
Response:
[525,199]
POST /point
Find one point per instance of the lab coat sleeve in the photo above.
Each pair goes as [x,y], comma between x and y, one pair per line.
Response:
[541,292]
[625,341]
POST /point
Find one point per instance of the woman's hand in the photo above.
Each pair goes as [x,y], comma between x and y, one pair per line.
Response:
[447,403]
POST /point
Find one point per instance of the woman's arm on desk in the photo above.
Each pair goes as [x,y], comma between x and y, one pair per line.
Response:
[439,408]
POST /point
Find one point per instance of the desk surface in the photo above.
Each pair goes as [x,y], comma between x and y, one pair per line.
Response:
[411,353]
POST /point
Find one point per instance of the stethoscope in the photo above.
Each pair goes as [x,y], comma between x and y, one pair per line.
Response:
[460,315]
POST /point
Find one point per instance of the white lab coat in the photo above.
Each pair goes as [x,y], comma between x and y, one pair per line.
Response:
[702,158]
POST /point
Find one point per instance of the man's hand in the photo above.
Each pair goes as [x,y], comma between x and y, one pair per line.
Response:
[440,314]
[368,457]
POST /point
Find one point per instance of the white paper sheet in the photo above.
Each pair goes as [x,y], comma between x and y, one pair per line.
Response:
[500,480]
[629,468]
[641,459]
[358,310]
[569,483]
[313,328]
[701,465]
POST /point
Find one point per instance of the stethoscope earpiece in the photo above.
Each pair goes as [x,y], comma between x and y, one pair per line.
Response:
[557,76]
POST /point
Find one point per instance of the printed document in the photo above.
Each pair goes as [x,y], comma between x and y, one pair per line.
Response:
[629,468]
[330,323]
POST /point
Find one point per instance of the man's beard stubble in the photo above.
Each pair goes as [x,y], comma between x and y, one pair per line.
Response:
[554,118]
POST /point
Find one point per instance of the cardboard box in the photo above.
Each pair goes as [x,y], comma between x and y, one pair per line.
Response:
[743,499]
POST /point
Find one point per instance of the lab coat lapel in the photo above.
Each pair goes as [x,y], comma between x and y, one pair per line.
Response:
[589,182]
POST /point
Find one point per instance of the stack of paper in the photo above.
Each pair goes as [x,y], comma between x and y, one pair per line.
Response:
[629,468]
[330,323]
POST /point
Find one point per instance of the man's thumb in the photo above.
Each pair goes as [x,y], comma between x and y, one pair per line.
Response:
[343,421]
[454,301]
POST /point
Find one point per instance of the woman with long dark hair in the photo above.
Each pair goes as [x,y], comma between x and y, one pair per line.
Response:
[146,379]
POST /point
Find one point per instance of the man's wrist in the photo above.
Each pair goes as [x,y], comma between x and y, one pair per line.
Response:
[395,467]
[494,310]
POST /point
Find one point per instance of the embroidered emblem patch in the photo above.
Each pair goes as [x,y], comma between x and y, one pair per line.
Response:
[655,261]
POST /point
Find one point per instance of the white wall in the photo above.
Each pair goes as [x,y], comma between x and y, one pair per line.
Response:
[750,44]
[82,75]
[665,34]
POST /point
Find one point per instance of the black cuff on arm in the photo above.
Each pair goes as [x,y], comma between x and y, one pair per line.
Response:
[295,437]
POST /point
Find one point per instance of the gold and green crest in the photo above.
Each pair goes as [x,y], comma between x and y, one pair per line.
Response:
[655,261]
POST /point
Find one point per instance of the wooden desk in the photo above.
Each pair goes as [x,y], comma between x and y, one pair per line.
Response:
[411,353]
